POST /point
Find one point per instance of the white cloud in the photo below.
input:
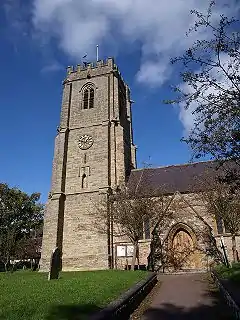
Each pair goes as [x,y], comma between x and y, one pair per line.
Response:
[159,26]
[154,73]
[187,117]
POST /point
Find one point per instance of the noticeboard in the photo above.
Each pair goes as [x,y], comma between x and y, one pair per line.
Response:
[125,250]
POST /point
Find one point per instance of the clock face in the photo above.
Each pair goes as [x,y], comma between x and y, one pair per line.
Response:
[85,142]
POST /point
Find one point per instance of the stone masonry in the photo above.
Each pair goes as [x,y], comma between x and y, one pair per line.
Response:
[94,154]
[189,216]
[83,173]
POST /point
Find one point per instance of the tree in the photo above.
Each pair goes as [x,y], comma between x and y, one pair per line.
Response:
[158,250]
[223,203]
[127,213]
[19,215]
[29,247]
[210,72]
[166,253]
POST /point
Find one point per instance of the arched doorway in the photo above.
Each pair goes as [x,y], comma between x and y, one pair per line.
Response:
[182,248]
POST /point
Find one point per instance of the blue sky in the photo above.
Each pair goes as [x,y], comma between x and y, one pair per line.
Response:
[38,42]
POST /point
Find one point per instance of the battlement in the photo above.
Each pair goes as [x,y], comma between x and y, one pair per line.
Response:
[90,69]
[93,65]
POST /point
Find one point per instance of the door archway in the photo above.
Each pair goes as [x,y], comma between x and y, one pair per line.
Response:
[182,248]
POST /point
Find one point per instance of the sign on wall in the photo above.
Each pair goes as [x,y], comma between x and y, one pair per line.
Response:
[125,251]
[121,251]
[130,251]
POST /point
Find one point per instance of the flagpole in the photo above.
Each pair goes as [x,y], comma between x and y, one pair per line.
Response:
[97,53]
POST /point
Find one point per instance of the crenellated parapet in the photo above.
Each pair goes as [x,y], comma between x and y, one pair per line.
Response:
[91,65]
[92,69]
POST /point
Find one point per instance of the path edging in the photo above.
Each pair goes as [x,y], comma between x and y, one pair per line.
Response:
[229,299]
[128,301]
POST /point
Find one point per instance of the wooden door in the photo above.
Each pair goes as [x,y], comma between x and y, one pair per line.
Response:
[182,250]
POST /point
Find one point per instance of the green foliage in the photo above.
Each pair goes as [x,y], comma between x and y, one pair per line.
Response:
[232,273]
[28,295]
[221,268]
[236,266]
[20,214]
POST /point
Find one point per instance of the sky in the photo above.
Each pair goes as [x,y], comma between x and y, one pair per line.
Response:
[40,38]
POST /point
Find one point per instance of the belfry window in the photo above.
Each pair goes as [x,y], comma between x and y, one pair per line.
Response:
[85,99]
[88,98]
[91,98]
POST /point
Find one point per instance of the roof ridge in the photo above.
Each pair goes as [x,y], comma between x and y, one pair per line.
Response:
[175,165]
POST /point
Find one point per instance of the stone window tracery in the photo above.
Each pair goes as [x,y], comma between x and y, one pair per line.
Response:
[88,98]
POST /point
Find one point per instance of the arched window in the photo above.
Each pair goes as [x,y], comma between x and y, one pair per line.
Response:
[85,99]
[219,223]
[88,98]
[222,226]
[91,99]
[145,234]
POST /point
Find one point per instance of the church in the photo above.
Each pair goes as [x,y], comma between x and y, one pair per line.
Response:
[94,155]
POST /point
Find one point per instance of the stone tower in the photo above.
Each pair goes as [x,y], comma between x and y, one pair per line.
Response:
[94,153]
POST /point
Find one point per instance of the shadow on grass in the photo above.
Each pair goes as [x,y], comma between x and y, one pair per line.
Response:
[71,312]
[217,310]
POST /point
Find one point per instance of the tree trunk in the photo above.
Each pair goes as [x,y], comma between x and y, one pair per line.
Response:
[5,266]
[234,248]
[134,256]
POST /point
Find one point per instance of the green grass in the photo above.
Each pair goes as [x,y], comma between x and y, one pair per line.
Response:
[232,273]
[28,295]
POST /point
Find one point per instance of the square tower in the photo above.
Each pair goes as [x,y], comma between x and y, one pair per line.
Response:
[94,153]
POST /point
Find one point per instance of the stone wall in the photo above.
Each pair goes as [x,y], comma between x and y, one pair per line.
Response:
[190,215]
[84,247]
[80,176]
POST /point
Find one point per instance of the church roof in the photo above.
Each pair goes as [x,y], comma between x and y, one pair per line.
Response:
[167,180]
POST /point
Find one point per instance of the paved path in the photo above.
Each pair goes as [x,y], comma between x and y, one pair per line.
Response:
[188,296]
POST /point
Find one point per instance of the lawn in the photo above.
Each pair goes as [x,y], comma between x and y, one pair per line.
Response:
[28,295]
